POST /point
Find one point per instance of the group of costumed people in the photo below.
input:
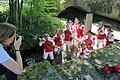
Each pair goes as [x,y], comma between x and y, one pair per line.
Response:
[74,41]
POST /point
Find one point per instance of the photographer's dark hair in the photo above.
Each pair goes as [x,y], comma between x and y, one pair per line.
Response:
[7,30]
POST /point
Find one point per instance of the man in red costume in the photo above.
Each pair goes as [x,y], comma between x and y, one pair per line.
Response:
[48,48]
[58,41]
[67,41]
[58,48]
[109,37]
[87,44]
[101,36]
[71,27]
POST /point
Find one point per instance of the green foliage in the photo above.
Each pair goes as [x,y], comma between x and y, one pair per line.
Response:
[4,8]
[39,16]
[40,71]
[41,7]
[38,27]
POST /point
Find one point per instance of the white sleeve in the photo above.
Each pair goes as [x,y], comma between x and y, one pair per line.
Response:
[3,55]
[40,43]
[53,42]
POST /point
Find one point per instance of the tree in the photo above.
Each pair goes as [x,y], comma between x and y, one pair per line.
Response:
[39,16]
[15,16]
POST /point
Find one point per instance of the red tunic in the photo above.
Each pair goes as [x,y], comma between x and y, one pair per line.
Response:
[48,46]
[79,32]
[109,39]
[101,36]
[68,35]
[88,41]
[101,33]
[57,41]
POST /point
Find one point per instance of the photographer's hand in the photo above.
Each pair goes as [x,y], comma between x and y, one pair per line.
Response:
[17,43]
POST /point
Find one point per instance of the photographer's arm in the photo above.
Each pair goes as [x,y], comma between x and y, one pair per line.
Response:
[15,66]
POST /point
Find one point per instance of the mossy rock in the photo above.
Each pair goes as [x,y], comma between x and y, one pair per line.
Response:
[81,70]
[76,69]
[40,71]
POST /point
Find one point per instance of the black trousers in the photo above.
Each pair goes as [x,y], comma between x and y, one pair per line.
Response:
[8,74]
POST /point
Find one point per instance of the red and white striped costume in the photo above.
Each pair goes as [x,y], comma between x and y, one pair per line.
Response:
[67,42]
[101,37]
[58,42]
[109,37]
[80,32]
[86,51]
[71,26]
[89,40]
[48,48]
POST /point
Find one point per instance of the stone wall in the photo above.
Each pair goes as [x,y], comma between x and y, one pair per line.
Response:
[110,8]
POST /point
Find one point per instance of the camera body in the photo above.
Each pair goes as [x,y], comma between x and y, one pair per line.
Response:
[17,37]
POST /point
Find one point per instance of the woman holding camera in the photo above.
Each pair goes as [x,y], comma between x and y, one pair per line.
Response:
[8,66]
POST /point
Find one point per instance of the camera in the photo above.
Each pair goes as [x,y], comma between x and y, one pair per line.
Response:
[17,37]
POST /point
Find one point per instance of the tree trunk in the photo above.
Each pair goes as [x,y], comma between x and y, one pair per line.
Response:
[17,20]
[20,5]
[15,16]
[30,16]
[12,13]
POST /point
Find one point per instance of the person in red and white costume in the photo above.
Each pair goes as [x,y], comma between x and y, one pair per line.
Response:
[87,45]
[67,41]
[58,41]
[68,37]
[76,23]
[89,41]
[71,26]
[77,27]
[109,37]
[85,50]
[80,31]
[48,48]
[58,49]
[101,36]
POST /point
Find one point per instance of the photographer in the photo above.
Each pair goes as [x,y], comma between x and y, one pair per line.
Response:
[8,66]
